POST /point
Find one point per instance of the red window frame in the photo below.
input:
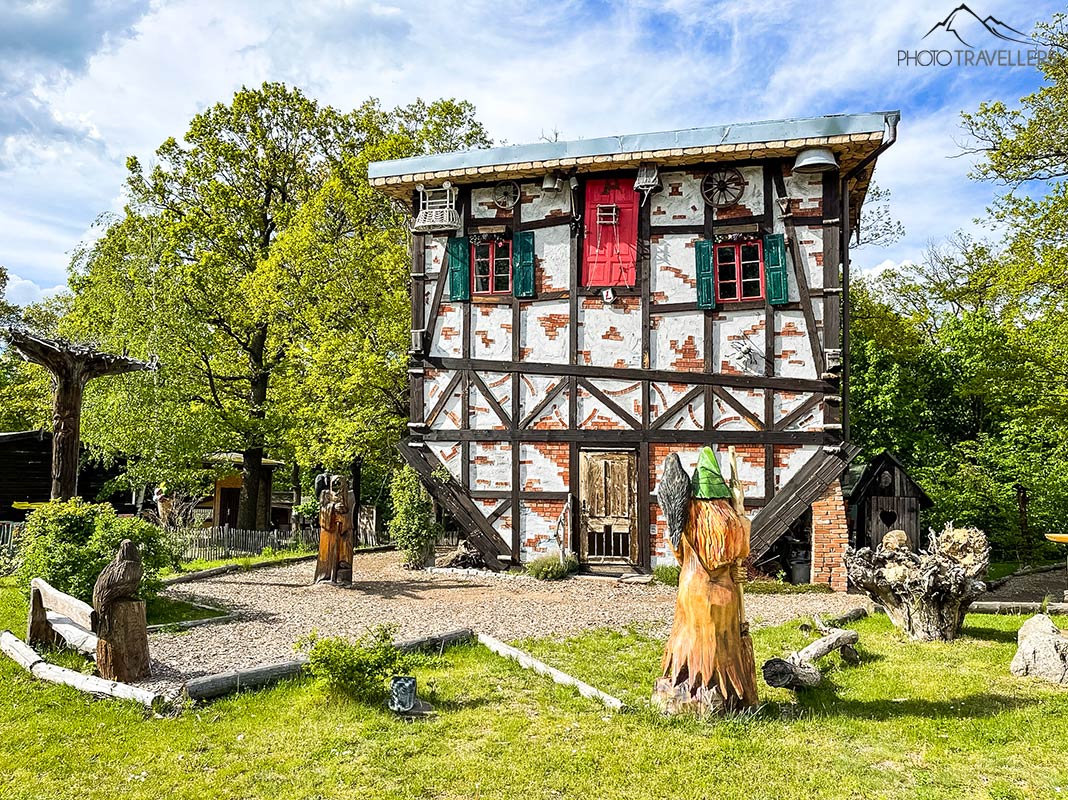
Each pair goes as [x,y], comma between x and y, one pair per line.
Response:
[734,289]
[498,252]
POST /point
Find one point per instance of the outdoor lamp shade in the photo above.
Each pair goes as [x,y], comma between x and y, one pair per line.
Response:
[551,182]
[815,159]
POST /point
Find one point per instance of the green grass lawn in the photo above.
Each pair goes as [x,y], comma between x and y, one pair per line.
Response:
[245,562]
[913,721]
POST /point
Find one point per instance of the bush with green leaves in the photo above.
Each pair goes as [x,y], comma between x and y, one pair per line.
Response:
[356,668]
[667,574]
[413,527]
[550,568]
[69,542]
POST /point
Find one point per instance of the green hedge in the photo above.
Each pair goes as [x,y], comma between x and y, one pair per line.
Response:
[69,542]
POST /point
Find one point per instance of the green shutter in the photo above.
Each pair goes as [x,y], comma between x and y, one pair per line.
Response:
[706,276]
[458,255]
[775,281]
[523,264]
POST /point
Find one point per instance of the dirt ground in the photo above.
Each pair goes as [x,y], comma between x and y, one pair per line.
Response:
[1033,588]
[278,605]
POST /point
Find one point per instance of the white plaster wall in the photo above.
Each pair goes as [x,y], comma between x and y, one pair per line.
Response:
[448,339]
[680,201]
[627,394]
[491,327]
[533,389]
[751,202]
[810,242]
[739,326]
[451,415]
[483,207]
[545,334]
[538,204]
[677,342]
[536,527]
[786,402]
[538,472]
[610,334]
[500,385]
[792,463]
[807,188]
[663,396]
[793,353]
[482,414]
[688,418]
[594,414]
[491,466]
[552,257]
[434,383]
[448,453]
[726,418]
[673,277]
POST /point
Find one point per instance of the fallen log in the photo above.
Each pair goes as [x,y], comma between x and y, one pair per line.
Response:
[222,683]
[799,670]
[436,642]
[32,662]
[529,662]
[74,635]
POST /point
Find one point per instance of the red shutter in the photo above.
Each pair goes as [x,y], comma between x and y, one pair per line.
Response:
[611,251]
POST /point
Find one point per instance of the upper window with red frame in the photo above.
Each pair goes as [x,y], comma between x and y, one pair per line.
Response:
[610,248]
[739,271]
[491,262]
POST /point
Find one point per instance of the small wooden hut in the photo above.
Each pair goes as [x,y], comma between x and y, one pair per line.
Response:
[883,499]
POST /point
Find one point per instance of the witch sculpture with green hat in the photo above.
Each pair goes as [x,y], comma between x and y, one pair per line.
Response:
[708,661]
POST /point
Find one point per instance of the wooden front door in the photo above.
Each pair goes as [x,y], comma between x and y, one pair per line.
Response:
[608,525]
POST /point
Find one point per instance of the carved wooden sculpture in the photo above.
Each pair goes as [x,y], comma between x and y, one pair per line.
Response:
[336,502]
[72,366]
[708,662]
[925,594]
[122,646]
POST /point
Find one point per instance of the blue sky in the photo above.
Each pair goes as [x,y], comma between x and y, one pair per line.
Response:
[86,84]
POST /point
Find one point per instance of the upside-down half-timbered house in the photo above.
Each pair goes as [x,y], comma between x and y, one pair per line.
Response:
[582,309]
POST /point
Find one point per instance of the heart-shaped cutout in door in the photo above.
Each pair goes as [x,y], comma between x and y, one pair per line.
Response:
[888,517]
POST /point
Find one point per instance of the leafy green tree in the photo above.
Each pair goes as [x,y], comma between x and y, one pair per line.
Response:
[255,260]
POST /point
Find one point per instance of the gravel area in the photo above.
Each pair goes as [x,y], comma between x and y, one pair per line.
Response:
[278,605]
[1033,588]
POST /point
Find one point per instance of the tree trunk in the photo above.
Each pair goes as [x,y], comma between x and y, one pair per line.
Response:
[263,500]
[122,648]
[66,432]
[925,594]
[248,504]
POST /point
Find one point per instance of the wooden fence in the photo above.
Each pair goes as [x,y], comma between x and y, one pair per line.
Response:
[8,534]
[213,544]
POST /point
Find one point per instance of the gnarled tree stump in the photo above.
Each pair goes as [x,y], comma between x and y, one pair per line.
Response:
[925,594]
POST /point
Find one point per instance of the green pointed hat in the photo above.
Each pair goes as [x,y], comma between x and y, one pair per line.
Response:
[708,483]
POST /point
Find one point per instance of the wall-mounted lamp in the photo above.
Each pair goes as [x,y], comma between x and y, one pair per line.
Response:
[553,182]
[815,159]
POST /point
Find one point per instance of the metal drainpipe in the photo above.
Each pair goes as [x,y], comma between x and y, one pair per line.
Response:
[892,120]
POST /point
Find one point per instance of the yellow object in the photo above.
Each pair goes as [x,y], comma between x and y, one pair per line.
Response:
[1060,538]
[22,505]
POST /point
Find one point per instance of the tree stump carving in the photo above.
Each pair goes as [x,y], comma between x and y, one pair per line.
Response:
[122,630]
[336,514]
[925,594]
[708,664]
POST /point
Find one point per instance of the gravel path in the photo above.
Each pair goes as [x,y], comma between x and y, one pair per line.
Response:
[278,606]
[1032,588]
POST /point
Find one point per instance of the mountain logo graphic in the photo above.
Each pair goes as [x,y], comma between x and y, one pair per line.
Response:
[962,21]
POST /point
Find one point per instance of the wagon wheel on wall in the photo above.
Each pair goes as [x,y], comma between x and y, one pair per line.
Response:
[723,187]
[506,194]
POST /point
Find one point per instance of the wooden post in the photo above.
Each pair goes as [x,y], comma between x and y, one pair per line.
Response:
[72,366]
[37,629]
[122,646]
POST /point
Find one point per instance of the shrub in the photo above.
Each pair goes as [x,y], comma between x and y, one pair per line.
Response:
[413,527]
[69,542]
[550,568]
[667,574]
[356,668]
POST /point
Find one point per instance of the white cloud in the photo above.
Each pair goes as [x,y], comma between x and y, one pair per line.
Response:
[23,292]
[131,75]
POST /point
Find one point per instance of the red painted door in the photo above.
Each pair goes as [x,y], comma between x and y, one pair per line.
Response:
[611,233]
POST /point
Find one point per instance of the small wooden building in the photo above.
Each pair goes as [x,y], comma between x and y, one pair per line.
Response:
[26,476]
[885,498]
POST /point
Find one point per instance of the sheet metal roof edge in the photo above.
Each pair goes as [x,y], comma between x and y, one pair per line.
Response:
[742,133]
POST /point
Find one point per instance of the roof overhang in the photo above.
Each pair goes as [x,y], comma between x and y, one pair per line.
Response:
[854,139]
